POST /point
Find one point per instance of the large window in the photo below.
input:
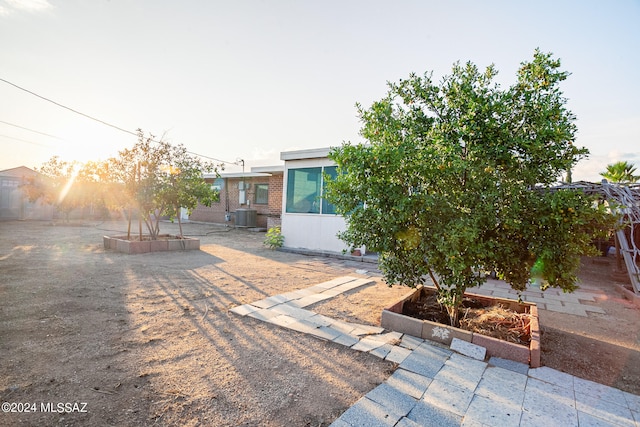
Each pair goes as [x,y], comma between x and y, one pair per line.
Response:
[328,208]
[305,187]
[261,194]
[218,185]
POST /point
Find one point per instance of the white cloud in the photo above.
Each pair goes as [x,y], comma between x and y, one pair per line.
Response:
[264,157]
[631,157]
[27,5]
[4,11]
[589,169]
[264,153]
[618,156]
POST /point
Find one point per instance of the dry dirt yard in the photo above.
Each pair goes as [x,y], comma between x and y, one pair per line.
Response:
[148,339]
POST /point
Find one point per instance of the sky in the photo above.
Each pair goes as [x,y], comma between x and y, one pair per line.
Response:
[248,79]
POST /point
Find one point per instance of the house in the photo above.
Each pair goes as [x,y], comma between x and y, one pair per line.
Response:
[308,220]
[289,196]
[14,203]
[251,199]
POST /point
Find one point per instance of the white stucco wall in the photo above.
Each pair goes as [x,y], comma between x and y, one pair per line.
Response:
[309,231]
[314,232]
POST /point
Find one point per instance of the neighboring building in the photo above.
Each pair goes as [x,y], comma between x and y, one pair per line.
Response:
[309,221]
[13,202]
[252,199]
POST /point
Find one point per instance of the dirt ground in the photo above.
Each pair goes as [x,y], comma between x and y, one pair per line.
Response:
[604,348]
[133,340]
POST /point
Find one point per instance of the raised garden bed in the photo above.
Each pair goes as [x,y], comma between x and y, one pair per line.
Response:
[165,242]
[394,319]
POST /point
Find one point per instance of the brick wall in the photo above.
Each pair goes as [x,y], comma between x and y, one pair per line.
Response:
[268,214]
[276,182]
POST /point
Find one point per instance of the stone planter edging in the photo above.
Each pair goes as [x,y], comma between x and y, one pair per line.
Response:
[393,319]
[121,244]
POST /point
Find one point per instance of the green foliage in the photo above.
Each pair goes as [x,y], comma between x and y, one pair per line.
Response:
[274,238]
[154,178]
[159,179]
[452,181]
[620,172]
[66,185]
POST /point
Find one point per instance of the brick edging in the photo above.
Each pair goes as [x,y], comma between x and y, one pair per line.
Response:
[393,319]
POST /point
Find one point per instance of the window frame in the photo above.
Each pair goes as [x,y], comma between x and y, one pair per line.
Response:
[323,206]
[218,185]
[255,193]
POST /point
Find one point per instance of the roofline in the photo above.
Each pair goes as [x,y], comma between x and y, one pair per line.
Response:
[268,169]
[314,153]
[18,171]
[237,175]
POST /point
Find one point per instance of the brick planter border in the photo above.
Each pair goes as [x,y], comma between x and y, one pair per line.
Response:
[165,243]
[393,319]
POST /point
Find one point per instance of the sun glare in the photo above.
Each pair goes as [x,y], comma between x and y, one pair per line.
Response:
[68,185]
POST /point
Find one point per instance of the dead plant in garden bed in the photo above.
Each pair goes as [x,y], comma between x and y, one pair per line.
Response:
[498,322]
[494,321]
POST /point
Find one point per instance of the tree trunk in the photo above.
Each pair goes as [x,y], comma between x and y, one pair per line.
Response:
[129,225]
[454,309]
[148,224]
[453,315]
[434,280]
[179,221]
[156,227]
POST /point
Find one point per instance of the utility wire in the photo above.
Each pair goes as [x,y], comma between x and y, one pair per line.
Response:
[102,121]
[67,108]
[30,130]
[23,140]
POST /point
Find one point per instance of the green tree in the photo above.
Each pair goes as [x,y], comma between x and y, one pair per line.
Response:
[61,184]
[452,181]
[620,172]
[158,179]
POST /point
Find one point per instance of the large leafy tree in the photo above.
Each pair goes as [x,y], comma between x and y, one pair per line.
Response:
[453,181]
[66,185]
[152,178]
[622,172]
[159,178]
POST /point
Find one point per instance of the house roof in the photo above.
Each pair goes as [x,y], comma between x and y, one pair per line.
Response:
[18,172]
[314,153]
[268,169]
[237,175]
[256,172]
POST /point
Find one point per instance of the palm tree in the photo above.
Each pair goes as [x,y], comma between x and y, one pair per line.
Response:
[620,172]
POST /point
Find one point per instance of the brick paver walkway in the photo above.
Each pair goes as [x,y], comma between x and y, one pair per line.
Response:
[434,385]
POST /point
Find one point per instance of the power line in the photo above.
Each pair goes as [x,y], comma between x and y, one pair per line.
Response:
[102,121]
[30,130]
[23,140]
[68,108]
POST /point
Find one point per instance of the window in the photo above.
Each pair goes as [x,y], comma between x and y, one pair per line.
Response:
[328,208]
[261,194]
[304,190]
[218,185]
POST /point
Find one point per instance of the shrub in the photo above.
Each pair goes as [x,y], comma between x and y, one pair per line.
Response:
[274,238]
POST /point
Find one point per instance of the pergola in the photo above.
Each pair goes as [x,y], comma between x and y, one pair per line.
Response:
[627,197]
